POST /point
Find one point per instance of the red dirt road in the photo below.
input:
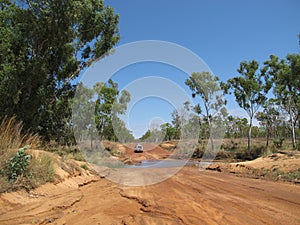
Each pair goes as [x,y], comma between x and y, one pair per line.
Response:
[189,197]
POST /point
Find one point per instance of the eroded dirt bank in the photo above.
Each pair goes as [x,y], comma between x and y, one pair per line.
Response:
[189,197]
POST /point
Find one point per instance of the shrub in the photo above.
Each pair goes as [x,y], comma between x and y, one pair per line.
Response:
[222,154]
[17,164]
[66,152]
[232,146]
[298,147]
[40,170]
[84,166]
[255,152]
[17,168]
[278,142]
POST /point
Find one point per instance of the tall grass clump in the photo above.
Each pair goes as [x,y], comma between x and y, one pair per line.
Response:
[18,168]
[11,136]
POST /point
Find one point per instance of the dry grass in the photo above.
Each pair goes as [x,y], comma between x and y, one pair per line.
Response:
[12,138]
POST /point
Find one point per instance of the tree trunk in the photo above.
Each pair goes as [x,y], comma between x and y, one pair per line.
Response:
[210,129]
[249,135]
[91,141]
[211,138]
[293,129]
[268,136]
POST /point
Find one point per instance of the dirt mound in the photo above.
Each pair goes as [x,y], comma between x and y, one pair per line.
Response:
[169,145]
[283,166]
[45,203]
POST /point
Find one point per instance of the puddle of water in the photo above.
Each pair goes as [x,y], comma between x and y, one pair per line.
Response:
[163,164]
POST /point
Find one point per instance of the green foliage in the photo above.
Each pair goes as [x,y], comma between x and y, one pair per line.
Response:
[236,127]
[44,45]
[168,131]
[278,142]
[146,136]
[97,114]
[291,176]
[298,146]
[84,166]
[18,164]
[245,154]
[249,90]
[268,118]
[17,168]
[108,105]
[40,170]
[285,75]
[206,86]
[176,124]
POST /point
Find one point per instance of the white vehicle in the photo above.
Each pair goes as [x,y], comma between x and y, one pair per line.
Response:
[138,148]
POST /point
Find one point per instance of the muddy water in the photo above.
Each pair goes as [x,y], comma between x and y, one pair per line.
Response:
[168,163]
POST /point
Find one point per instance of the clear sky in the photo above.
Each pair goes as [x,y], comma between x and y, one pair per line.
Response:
[222,33]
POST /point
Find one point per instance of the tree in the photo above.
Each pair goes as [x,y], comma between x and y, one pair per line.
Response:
[249,90]
[96,111]
[120,131]
[146,136]
[168,131]
[285,74]
[82,114]
[268,118]
[236,127]
[176,121]
[44,45]
[107,108]
[205,85]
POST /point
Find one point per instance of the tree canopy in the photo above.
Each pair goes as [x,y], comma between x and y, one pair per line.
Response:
[206,86]
[44,45]
[249,90]
[285,76]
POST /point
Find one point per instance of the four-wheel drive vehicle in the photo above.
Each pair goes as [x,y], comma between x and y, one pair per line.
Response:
[138,148]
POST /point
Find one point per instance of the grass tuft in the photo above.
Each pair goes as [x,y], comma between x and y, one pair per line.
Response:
[18,168]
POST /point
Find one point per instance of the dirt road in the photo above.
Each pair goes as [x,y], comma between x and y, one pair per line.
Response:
[189,197]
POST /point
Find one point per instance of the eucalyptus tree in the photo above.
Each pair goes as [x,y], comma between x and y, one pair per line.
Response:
[110,102]
[285,75]
[44,45]
[168,131]
[249,89]
[176,122]
[206,86]
[268,118]
[236,127]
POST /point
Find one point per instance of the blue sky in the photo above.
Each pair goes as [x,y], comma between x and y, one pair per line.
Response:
[222,33]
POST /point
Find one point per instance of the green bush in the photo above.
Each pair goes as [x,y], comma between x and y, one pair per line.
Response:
[84,166]
[18,164]
[278,142]
[255,152]
[19,170]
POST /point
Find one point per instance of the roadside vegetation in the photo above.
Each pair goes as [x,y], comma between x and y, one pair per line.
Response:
[278,116]
[19,166]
